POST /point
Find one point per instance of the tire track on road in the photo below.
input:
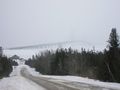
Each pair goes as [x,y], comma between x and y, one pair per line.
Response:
[56,85]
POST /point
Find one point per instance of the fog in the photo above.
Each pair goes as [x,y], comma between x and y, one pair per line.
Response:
[29,22]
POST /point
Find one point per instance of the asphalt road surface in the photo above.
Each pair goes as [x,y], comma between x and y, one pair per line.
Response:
[50,84]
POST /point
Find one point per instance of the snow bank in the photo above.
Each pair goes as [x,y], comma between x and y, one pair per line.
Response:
[18,83]
[74,79]
[84,81]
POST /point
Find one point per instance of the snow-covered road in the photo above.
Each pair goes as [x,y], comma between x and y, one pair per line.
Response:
[57,84]
[25,78]
[18,82]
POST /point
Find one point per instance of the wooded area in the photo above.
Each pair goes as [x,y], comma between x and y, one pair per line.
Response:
[103,65]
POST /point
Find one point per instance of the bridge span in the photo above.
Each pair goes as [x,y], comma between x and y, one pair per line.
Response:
[48,45]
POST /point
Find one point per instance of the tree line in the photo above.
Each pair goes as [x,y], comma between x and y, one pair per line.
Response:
[5,65]
[101,65]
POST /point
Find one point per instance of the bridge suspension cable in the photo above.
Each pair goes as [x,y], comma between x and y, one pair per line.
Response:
[59,44]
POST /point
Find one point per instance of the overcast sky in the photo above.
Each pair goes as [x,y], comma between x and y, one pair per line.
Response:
[27,22]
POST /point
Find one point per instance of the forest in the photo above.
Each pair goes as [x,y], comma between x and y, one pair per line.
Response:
[6,65]
[100,65]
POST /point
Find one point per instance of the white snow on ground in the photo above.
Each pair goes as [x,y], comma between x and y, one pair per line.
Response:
[84,81]
[16,70]
[17,82]
[73,79]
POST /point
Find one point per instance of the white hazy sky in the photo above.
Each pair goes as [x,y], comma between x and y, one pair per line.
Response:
[27,22]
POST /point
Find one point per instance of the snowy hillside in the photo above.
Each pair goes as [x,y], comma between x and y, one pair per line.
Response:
[27,53]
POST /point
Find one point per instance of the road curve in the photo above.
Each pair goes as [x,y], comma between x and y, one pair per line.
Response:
[52,85]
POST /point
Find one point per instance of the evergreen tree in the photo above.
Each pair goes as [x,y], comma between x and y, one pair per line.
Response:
[1,52]
[5,67]
[113,39]
[58,66]
[113,61]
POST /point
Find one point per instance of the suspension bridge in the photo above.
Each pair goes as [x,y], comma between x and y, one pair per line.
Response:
[49,45]
[30,50]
